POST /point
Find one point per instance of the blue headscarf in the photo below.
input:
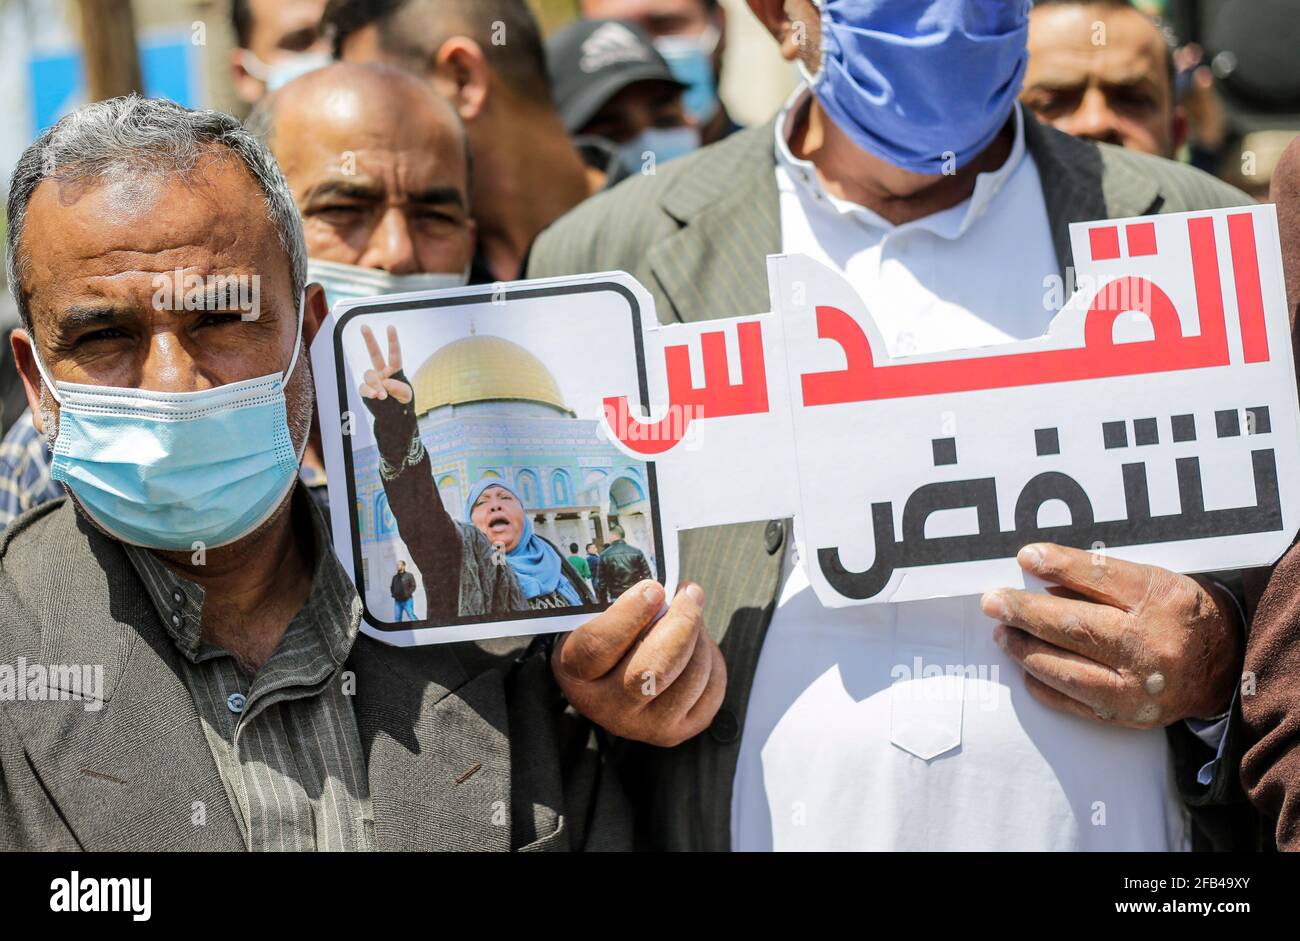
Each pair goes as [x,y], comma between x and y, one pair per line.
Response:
[534,561]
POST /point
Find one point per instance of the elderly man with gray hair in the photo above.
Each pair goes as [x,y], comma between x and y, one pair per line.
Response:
[159,266]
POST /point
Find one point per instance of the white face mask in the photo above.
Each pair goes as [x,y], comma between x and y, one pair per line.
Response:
[284,69]
[350,282]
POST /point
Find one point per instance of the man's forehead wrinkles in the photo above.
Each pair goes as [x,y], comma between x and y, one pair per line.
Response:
[168,237]
[1112,64]
[126,262]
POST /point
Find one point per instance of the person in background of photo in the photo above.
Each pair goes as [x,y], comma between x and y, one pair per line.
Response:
[691,36]
[579,562]
[379,168]
[13,403]
[593,563]
[403,591]
[547,579]
[610,84]
[1120,91]
[25,460]
[621,565]
[275,42]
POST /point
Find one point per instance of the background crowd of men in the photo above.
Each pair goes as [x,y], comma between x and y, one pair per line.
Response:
[480,150]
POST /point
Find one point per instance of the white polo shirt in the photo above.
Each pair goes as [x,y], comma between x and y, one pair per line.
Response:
[849,740]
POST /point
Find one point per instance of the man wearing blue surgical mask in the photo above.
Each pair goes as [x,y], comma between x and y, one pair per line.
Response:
[159,266]
[275,42]
[378,167]
[905,162]
[376,162]
[691,36]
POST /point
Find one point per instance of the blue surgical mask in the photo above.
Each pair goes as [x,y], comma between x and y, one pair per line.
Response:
[690,59]
[666,143]
[177,470]
[924,85]
[344,282]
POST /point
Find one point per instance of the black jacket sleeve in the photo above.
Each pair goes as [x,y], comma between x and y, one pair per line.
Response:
[1222,818]
[643,568]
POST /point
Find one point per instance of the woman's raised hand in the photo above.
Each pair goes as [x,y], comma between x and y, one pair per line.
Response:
[378,382]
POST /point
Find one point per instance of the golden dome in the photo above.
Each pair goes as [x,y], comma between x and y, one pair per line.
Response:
[480,368]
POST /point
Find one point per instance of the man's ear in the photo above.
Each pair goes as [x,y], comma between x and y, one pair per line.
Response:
[771,13]
[463,77]
[794,33]
[314,312]
[21,343]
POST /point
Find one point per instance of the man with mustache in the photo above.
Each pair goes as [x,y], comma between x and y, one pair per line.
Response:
[240,707]
[378,166]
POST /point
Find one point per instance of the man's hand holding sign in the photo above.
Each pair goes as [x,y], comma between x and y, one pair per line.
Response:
[1120,642]
[659,682]
[641,676]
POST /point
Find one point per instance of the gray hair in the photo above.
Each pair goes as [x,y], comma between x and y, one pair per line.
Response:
[133,135]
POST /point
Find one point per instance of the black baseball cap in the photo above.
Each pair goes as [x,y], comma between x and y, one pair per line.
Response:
[591,61]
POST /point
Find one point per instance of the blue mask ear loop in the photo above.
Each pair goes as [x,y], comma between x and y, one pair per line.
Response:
[293,362]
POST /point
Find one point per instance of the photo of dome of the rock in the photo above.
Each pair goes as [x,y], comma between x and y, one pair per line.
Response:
[522,473]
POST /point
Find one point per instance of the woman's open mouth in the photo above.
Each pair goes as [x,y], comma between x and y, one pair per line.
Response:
[498,524]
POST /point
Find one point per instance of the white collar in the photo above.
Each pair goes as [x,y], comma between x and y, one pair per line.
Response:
[950,223]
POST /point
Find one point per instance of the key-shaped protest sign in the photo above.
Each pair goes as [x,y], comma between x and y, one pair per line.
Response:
[1155,420]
